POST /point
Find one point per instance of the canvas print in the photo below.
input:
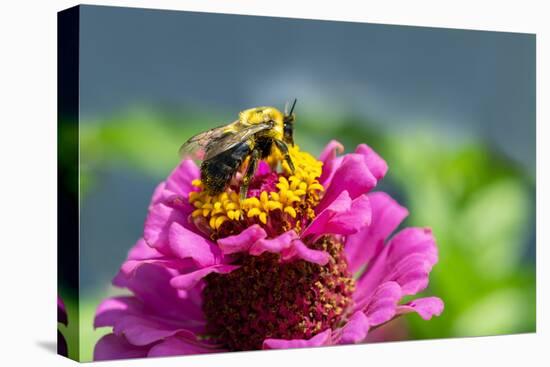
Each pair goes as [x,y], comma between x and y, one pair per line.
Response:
[236,183]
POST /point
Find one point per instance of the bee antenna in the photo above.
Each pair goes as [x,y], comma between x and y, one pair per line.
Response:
[291,108]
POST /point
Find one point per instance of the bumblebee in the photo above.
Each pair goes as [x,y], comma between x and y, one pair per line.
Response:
[223,150]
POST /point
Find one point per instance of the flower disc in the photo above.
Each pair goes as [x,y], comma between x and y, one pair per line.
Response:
[265,298]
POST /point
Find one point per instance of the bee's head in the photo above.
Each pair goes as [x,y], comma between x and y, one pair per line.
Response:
[288,123]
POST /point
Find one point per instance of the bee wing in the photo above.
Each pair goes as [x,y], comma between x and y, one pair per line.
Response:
[232,138]
[196,146]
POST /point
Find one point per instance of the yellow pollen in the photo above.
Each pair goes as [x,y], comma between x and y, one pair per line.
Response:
[297,194]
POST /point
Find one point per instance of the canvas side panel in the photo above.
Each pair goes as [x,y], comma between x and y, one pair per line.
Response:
[68,22]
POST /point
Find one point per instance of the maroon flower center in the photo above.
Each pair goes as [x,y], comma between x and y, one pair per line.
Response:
[267,299]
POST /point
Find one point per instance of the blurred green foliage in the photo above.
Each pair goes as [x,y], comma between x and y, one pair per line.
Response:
[481,209]
[479,204]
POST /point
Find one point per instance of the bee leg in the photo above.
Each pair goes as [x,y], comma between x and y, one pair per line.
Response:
[283,148]
[250,170]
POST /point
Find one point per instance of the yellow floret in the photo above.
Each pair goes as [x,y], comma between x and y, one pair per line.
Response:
[295,191]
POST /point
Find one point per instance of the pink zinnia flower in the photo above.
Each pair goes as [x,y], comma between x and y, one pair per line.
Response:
[308,259]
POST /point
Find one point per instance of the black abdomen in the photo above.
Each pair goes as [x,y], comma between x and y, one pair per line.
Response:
[217,171]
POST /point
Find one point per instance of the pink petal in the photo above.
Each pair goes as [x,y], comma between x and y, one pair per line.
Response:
[112,346]
[187,244]
[376,164]
[425,307]
[412,273]
[130,317]
[330,161]
[383,303]
[407,259]
[130,266]
[273,245]
[413,240]
[172,200]
[343,216]
[254,241]
[112,309]
[179,181]
[372,277]
[412,254]
[189,280]
[318,340]
[355,330]
[331,150]
[353,220]
[142,251]
[157,226]
[290,247]
[177,345]
[387,214]
[352,176]
[144,330]
[157,194]
[340,204]
[299,251]
[151,284]
[242,241]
